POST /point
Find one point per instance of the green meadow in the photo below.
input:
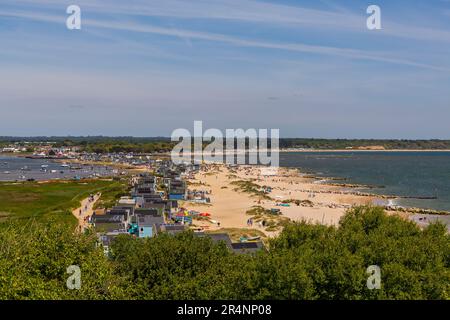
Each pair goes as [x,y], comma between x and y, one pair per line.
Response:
[50,200]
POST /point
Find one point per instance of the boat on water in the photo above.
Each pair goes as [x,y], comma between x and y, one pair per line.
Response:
[37,156]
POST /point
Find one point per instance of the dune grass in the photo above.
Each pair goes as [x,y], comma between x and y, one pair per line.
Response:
[112,194]
[236,233]
[41,201]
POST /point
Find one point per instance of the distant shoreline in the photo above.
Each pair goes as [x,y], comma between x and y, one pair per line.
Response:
[24,155]
[364,150]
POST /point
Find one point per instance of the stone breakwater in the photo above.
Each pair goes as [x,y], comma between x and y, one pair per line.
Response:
[416,210]
[363,194]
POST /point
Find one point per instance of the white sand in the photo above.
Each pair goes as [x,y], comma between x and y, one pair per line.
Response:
[229,206]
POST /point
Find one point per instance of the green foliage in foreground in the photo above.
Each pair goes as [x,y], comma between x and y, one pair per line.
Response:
[305,262]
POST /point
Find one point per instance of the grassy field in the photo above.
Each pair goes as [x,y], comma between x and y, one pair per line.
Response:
[112,194]
[42,201]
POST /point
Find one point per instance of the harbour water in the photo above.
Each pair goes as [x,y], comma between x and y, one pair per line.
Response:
[20,169]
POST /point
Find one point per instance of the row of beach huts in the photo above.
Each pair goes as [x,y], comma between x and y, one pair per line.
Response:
[153,208]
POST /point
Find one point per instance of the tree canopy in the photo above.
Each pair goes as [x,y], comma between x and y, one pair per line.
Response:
[306,261]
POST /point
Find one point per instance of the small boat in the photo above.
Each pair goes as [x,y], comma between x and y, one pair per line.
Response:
[283,205]
[247,239]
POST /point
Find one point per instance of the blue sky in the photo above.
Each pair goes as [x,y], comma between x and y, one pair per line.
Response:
[145,68]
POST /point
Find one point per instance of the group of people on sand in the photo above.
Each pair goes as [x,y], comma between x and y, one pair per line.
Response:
[90,200]
[261,223]
[92,197]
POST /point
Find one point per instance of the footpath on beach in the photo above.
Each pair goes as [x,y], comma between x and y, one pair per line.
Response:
[85,211]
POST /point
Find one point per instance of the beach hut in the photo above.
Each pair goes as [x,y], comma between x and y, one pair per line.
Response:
[183,218]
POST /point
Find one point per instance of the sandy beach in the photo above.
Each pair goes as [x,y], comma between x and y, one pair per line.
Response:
[229,204]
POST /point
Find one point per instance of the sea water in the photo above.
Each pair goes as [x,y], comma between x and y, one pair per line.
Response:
[403,173]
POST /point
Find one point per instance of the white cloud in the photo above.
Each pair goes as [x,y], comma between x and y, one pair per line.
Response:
[253,11]
[296,47]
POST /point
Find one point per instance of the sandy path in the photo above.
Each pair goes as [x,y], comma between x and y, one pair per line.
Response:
[86,210]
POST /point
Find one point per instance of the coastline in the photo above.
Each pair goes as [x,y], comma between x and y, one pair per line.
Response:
[234,199]
[297,195]
[364,150]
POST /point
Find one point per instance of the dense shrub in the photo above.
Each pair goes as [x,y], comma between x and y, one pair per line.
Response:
[305,262]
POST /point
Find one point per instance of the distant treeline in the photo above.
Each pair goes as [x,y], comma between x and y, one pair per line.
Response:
[99,144]
[74,140]
[102,144]
[356,143]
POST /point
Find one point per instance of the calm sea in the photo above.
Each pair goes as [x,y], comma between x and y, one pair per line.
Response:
[416,174]
[13,168]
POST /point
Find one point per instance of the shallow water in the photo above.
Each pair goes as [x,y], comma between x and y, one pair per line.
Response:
[416,174]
